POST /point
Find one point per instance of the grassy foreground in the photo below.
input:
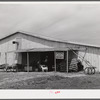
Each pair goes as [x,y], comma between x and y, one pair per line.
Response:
[50,82]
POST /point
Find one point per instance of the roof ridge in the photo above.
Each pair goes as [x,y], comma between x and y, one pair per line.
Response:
[65,41]
[49,38]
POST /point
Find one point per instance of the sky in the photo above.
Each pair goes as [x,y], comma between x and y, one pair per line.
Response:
[76,22]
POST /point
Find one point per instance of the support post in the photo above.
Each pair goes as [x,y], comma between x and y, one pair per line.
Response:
[6,58]
[67,61]
[27,62]
[55,60]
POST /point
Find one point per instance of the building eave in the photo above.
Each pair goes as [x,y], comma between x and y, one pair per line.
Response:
[49,39]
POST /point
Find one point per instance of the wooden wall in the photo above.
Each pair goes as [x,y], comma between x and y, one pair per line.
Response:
[93,56]
[33,42]
[27,42]
[6,47]
[92,53]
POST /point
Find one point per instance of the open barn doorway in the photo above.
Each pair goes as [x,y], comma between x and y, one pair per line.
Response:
[38,58]
[74,64]
[61,61]
[47,58]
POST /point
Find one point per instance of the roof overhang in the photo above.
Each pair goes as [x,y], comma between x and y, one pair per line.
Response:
[47,49]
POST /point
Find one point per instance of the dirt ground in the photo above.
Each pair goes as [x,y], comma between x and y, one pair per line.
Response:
[48,80]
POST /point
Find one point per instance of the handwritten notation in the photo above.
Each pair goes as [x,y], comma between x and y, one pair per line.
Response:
[54,92]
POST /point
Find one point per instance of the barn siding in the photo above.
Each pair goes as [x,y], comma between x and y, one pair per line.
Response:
[10,58]
[6,47]
[27,42]
[93,56]
[92,53]
[45,42]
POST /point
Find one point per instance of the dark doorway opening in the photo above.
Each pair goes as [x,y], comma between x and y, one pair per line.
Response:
[38,58]
[47,58]
[61,62]
[74,63]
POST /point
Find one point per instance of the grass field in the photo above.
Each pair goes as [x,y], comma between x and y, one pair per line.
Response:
[48,80]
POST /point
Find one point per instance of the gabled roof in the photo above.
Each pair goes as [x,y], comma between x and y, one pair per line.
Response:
[48,39]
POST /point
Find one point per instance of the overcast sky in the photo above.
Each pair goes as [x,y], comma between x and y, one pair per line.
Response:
[73,22]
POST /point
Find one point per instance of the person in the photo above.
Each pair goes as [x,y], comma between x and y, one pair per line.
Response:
[38,63]
[80,66]
[46,61]
[38,66]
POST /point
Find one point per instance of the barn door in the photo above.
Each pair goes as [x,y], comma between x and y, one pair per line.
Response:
[60,61]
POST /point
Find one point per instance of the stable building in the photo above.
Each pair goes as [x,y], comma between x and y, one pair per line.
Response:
[27,49]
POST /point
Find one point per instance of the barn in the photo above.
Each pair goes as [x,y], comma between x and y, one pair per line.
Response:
[26,49]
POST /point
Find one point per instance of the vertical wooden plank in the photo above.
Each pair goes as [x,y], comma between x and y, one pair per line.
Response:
[65,54]
[55,60]
[27,62]
[5,57]
[67,61]
[98,60]
[19,58]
